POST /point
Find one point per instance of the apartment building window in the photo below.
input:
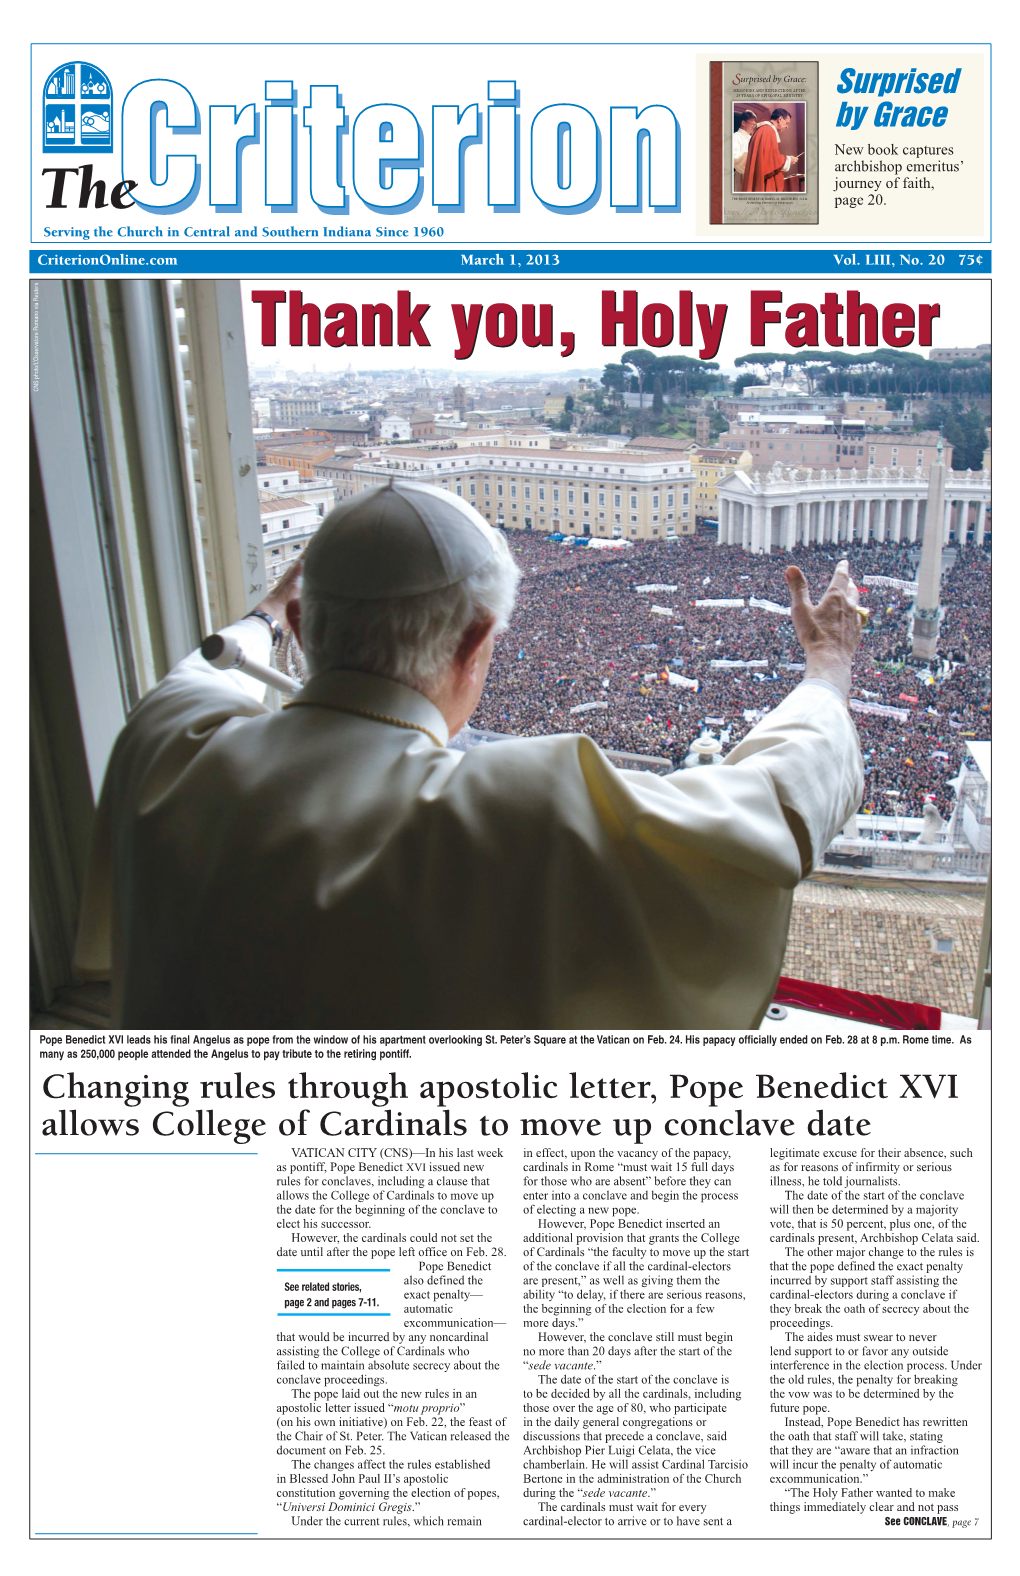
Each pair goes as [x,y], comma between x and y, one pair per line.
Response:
[602,500]
[669,500]
[585,498]
[472,489]
[684,500]
[513,489]
[541,494]
[570,494]
[527,492]
[486,489]
[556,495]
[616,519]
[655,500]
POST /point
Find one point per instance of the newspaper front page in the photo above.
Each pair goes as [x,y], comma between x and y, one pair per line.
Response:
[670,317]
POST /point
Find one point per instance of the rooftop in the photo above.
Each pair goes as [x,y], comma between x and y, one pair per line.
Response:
[880,941]
[273,505]
[300,450]
[591,456]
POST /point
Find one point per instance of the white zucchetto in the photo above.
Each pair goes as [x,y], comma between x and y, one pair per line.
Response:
[402,539]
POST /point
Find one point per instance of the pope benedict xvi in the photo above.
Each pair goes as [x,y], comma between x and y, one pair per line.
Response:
[335,865]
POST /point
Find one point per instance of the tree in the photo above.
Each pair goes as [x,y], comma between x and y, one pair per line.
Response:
[966,431]
[685,372]
[641,358]
[614,379]
[756,358]
[747,380]
[770,358]
[811,363]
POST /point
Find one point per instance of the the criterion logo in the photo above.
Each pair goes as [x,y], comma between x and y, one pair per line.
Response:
[77,110]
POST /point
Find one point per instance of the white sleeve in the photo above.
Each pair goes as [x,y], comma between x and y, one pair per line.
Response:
[168,728]
[808,745]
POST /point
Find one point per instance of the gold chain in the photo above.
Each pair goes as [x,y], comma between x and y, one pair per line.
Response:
[373,716]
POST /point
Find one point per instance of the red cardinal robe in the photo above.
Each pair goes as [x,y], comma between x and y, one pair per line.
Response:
[763,171]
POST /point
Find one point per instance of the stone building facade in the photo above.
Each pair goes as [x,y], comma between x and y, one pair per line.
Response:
[785,507]
[579,492]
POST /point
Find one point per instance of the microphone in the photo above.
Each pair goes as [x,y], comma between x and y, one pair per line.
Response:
[226,651]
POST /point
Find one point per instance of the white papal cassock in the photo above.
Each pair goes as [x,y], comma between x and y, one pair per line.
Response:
[321,867]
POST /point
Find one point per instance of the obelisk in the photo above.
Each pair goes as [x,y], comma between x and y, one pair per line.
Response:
[929,575]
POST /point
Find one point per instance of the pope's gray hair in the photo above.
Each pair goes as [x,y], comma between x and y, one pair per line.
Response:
[412,639]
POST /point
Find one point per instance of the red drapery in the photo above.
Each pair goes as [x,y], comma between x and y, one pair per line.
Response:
[881,1010]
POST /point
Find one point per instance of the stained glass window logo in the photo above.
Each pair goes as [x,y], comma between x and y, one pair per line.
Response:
[77,110]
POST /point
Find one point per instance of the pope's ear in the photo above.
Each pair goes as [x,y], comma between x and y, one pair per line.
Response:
[294,618]
[473,639]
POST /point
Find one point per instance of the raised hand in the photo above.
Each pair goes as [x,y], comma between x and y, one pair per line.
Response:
[829,632]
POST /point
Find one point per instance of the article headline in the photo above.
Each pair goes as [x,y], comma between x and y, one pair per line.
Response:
[840,321]
[716,1094]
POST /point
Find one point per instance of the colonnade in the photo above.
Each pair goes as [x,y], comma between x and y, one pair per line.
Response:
[772,514]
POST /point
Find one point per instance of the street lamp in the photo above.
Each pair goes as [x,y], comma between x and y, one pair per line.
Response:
[893,794]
